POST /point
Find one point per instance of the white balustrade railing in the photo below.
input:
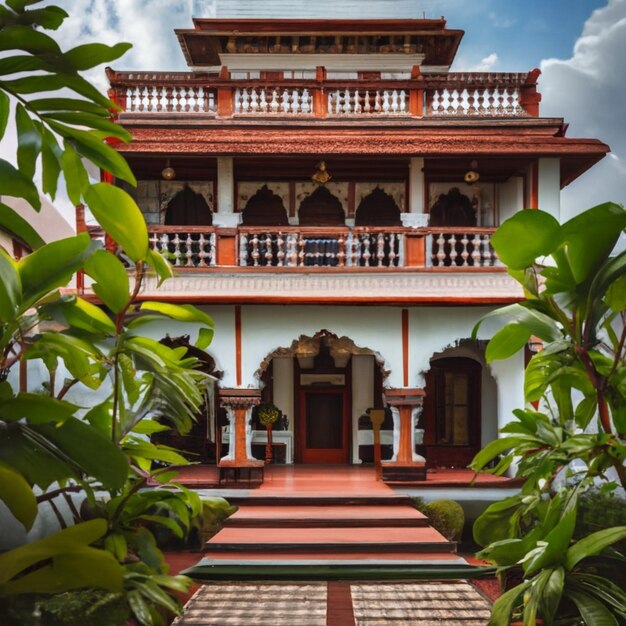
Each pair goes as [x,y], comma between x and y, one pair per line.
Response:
[184,247]
[297,248]
[273,101]
[457,247]
[170,99]
[351,101]
[496,101]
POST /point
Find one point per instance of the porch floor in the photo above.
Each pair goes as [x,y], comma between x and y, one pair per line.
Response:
[324,480]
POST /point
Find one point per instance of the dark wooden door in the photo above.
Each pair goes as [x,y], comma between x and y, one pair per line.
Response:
[323,433]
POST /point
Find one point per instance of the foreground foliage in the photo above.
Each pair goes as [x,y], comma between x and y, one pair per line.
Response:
[574,438]
[92,455]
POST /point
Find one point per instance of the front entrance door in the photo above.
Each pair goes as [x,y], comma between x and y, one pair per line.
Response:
[324,425]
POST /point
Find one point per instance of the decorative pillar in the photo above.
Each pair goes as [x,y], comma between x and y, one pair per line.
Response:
[225,217]
[405,465]
[238,404]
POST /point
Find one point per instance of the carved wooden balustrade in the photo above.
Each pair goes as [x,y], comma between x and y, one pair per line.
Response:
[474,94]
[321,247]
[461,247]
[202,248]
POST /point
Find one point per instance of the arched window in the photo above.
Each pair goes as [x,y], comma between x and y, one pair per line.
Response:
[188,208]
[452,417]
[264,208]
[321,208]
[378,209]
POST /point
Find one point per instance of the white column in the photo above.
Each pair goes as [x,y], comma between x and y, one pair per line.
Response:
[225,215]
[362,395]
[550,187]
[416,185]
[416,211]
[283,386]
[510,198]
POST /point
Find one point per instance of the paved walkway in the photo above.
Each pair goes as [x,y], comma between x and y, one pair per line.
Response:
[336,604]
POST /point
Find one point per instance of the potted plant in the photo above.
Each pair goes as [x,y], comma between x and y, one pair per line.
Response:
[574,438]
[268,415]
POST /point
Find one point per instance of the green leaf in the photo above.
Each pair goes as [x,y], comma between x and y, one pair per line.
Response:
[552,594]
[160,265]
[111,280]
[29,141]
[5,107]
[28,39]
[535,322]
[139,608]
[21,63]
[14,224]
[50,162]
[52,266]
[144,449]
[10,288]
[13,183]
[506,342]
[499,521]
[89,55]
[593,544]
[120,216]
[79,313]
[72,564]
[44,105]
[18,496]
[37,409]
[185,313]
[504,605]
[492,450]
[593,612]
[96,455]
[50,17]
[91,121]
[526,236]
[616,294]
[602,225]
[75,174]
[89,145]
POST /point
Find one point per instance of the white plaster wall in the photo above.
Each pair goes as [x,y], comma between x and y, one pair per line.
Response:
[266,328]
[362,395]
[550,187]
[433,329]
[509,375]
[510,197]
[283,387]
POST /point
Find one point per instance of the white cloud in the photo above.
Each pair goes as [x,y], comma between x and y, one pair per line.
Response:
[486,64]
[589,90]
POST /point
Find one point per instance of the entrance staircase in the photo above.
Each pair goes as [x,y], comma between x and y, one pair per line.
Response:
[322,525]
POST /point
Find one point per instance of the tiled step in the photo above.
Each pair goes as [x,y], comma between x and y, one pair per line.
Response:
[268,498]
[344,540]
[325,516]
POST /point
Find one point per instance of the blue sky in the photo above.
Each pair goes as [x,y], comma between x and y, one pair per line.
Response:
[580,46]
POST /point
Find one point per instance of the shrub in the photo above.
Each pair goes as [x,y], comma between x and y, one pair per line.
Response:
[447,517]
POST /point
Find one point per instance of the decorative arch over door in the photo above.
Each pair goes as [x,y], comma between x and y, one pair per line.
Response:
[452,411]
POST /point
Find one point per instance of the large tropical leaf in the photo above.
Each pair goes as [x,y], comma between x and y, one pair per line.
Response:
[15,184]
[18,496]
[185,313]
[593,544]
[10,288]
[111,280]
[65,562]
[120,216]
[524,237]
[52,266]
[13,223]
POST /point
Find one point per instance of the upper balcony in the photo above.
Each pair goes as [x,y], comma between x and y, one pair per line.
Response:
[188,95]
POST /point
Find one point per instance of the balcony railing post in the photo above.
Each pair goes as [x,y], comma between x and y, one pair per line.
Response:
[225,95]
[320,101]
[416,96]
[226,247]
[529,97]
[415,250]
